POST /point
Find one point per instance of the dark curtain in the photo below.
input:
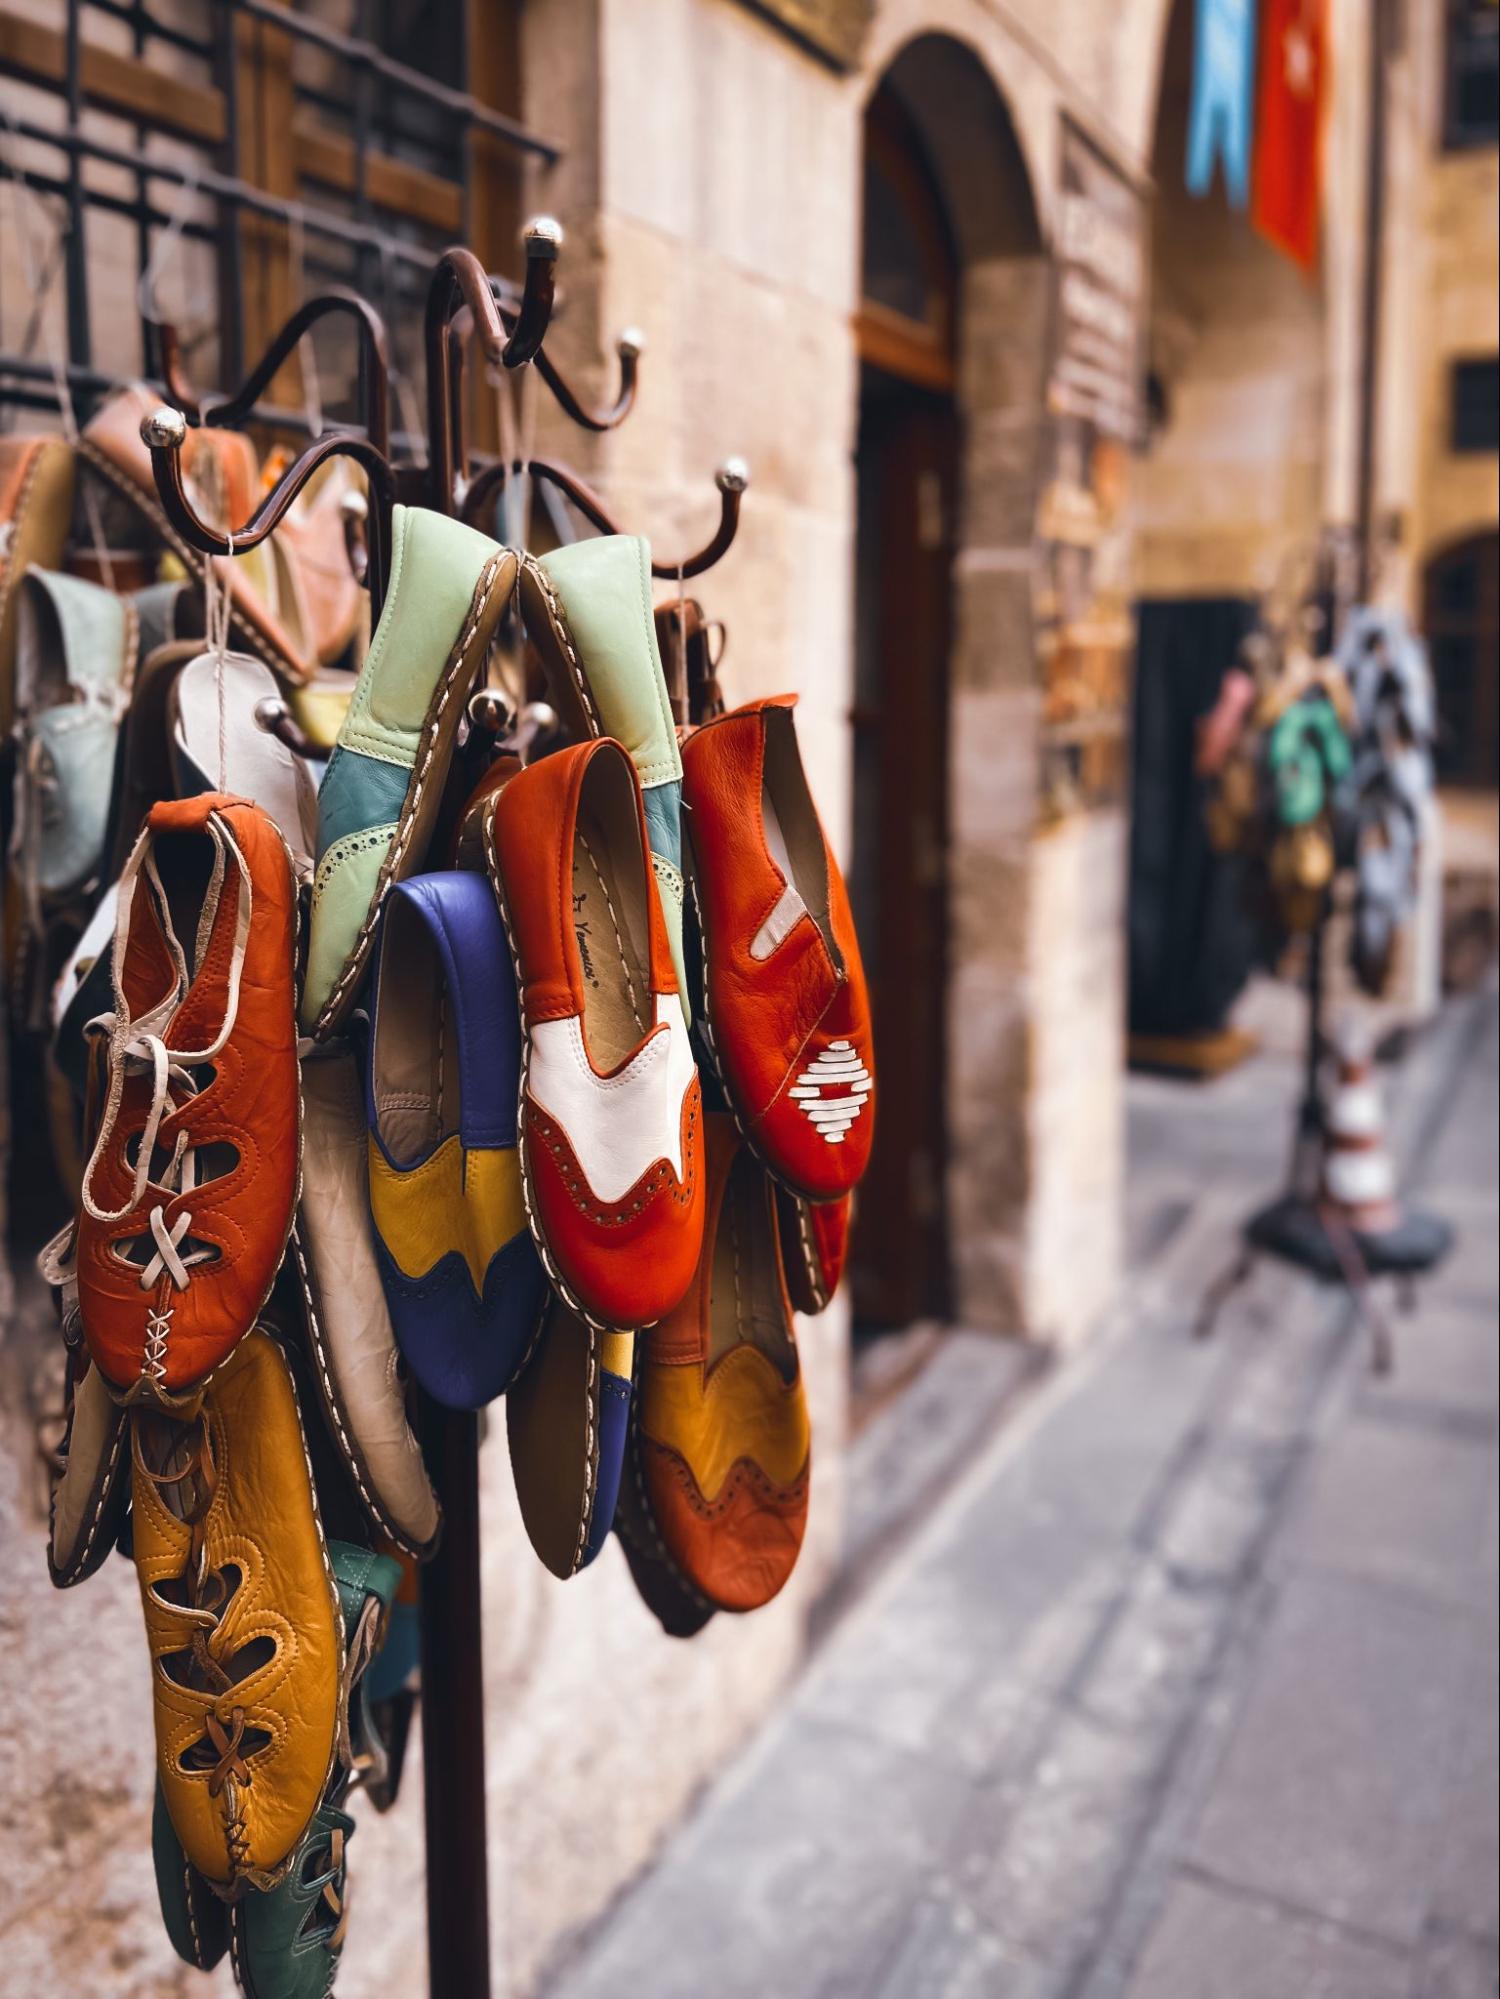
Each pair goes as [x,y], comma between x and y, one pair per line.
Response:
[1191,943]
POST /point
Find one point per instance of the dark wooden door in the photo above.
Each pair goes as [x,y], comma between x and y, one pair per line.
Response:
[906,468]
[1462,624]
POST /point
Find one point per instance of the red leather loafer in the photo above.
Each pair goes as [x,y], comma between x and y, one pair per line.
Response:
[784,1001]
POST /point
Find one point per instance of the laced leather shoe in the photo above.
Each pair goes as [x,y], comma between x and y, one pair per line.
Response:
[188,1194]
[242,1617]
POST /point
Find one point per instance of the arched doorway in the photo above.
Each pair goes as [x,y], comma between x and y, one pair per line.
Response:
[951,335]
[907,472]
[1462,621]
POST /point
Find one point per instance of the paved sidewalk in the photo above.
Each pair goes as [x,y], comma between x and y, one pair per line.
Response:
[1187,1689]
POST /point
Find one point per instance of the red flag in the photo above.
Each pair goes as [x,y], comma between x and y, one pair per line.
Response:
[1287,182]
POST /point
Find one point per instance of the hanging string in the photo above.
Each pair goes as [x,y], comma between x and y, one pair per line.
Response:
[312,384]
[148,285]
[216,600]
[41,268]
[682,643]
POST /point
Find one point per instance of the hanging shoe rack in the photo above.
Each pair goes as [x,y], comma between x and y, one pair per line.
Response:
[463,304]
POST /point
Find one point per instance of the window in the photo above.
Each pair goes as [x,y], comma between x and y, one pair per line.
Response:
[909,277]
[1474,405]
[1471,75]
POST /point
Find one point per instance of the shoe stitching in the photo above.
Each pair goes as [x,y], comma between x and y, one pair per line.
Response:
[565,639]
[590,1455]
[354,964]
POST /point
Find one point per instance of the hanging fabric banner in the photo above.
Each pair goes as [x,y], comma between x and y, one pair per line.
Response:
[1223,97]
[1288,180]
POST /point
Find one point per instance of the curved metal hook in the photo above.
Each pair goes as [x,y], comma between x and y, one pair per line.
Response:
[165,431]
[629,348]
[732,478]
[230,411]
[508,338]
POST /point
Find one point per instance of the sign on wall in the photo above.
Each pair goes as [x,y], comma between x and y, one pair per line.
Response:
[834,29]
[1085,622]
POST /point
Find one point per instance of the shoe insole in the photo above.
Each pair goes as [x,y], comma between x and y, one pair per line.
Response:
[607,922]
[414,1057]
[745,1297]
[790,907]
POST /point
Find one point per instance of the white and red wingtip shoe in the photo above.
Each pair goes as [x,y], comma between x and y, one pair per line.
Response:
[611,1112]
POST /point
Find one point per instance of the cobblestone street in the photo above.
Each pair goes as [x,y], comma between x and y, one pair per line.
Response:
[1186,1688]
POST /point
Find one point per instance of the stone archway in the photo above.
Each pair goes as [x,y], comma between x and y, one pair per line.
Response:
[1001,302]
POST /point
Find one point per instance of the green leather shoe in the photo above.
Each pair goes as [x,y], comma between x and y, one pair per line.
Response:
[588,611]
[286,1943]
[380,795]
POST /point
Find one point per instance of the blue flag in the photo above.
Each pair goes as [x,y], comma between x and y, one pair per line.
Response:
[1223,95]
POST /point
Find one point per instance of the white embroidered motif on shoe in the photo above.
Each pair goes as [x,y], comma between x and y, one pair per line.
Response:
[839,1071]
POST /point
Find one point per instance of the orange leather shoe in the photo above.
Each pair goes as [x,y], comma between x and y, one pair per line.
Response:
[784,1006]
[188,1195]
[611,1114]
[723,1445]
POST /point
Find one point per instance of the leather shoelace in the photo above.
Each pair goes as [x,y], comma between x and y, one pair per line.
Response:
[209,1594]
[136,1046]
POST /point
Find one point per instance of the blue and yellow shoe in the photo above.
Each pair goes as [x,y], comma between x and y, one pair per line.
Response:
[461,1275]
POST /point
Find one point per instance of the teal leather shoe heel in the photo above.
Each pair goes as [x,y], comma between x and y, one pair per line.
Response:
[588,611]
[287,1941]
[378,803]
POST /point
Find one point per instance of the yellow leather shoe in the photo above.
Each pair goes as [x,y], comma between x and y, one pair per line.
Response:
[243,1619]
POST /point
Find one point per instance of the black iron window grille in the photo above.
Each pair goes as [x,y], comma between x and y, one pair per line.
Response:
[213,161]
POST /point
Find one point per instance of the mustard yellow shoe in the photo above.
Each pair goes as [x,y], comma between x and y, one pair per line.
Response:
[242,1616]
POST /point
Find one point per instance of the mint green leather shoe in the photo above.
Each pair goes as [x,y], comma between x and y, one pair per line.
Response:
[380,795]
[75,654]
[588,611]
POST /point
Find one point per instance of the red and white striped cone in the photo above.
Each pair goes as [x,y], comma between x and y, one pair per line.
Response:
[1357,1180]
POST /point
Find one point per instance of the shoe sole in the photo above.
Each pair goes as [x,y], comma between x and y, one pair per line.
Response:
[359,1470]
[423,801]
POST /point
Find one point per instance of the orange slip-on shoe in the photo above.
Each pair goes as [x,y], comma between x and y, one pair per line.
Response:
[723,1445]
[611,1113]
[784,1007]
[189,1192]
